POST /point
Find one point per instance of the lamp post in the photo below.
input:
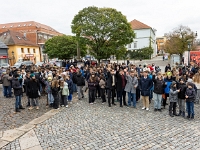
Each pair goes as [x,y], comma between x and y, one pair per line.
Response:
[189,45]
[13,57]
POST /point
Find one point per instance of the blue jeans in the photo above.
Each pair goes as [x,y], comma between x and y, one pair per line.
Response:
[151,95]
[190,108]
[131,98]
[7,91]
[50,98]
[70,97]
[17,102]
[157,100]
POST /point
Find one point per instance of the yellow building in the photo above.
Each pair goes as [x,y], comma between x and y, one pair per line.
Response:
[20,48]
[160,44]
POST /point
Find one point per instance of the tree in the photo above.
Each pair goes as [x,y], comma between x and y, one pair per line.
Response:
[143,53]
[64,47]
[177,40]
[105,29]
[120,53]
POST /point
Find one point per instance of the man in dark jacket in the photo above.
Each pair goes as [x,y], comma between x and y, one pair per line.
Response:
[120,86]
[145,85]
[181,96]
[17,92]
[111,85]
[80,81]
[159,85]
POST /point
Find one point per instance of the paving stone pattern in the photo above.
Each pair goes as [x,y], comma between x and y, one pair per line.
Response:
[10,120]
[97,126]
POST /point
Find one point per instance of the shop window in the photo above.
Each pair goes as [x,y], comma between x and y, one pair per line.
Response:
[28,49]
[22,50]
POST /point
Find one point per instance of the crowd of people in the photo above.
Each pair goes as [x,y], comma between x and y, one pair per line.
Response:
[179,86]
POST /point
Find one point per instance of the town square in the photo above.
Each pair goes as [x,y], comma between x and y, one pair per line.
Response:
[99,75]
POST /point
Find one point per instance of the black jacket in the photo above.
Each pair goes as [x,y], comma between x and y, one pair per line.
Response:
[109,81]
[80,81]
[182,87]
[33,88]
[145,86]
[17,87]
[159,85]
[119,81]
[191,95]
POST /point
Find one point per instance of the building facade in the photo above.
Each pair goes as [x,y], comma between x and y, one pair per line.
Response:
[145,36]
[3,53]
[36,32]
[20,47]
[160,44]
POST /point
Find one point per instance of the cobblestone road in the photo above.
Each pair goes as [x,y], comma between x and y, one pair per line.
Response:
[97,126]
[10,120]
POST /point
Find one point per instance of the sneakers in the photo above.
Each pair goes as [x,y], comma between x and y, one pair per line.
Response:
[30,108]
[143,107]
[66,106]
[37,108]
[91,103]
[147,109]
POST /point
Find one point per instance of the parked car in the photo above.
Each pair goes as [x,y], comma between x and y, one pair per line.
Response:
[39,64]
[5,65]
[23,63]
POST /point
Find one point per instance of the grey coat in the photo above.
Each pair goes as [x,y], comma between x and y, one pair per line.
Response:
[6,80]
[131,82]
[173,95]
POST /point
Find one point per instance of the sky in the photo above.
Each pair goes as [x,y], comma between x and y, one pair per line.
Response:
[162,15]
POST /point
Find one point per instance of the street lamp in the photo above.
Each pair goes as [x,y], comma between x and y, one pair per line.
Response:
[13,57]
[189,46]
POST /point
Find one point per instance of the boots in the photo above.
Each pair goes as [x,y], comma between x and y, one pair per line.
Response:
[171,114]
[192,116]
[183,114]
[21,107]
[180,112]
[17,110]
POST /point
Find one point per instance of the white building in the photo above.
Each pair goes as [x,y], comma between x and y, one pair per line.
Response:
[144,37]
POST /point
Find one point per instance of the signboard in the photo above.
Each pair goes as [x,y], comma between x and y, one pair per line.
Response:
[29,55]
[195,57]
[186,57]
[3,57]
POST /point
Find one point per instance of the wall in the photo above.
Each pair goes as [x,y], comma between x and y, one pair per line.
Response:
[18,55]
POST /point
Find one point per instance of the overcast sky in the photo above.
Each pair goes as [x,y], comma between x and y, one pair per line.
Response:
[159,14]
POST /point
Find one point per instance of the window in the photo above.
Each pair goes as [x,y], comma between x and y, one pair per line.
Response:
[129,45]
[33,50]
[22,50]
[28,49]
[18,37]
[135,45]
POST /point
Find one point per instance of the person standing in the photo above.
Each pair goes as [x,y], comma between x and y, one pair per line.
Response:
[181,96]
[145,86]
[6,81]
[33,88]
[130,88]
[190,95]
[92,83]
[55,88]
[159,85]
[64,91]
[173,98]
[17,92]
[111,85]
[80,82]
[102,84]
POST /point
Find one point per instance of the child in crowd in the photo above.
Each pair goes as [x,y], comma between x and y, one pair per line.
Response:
[55,88]
[64,92]
[190,96]
[173,98]
[102,84]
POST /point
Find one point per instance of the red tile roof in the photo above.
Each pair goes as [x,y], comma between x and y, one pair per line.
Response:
[15,38]
[135,24]
[26,24]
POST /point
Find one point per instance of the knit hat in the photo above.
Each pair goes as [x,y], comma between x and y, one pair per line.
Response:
[169,74]
[32,75]
[173,83]
[49,78]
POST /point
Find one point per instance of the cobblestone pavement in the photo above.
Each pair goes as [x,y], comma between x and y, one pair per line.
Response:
[10,120]
[85,126]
